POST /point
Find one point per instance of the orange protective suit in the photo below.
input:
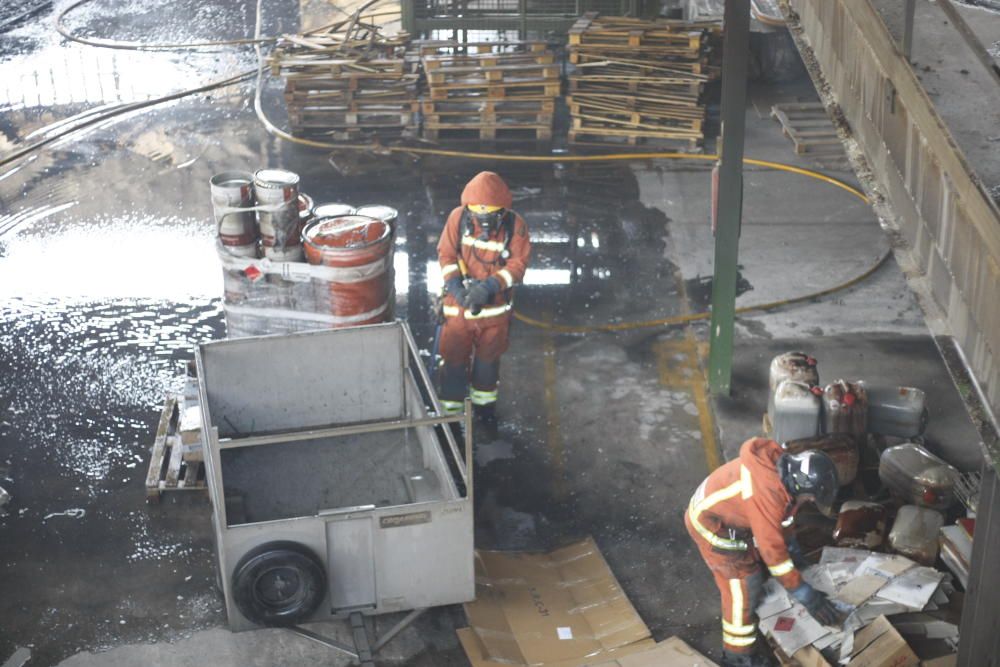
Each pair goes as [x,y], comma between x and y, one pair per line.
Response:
[736,519]
[479,339]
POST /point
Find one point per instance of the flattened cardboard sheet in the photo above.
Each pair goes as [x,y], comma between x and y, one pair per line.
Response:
[551,609]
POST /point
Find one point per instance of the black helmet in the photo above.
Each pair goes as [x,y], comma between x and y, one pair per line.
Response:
[810,473]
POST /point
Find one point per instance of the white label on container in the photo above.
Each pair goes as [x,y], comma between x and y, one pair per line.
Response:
[565,633]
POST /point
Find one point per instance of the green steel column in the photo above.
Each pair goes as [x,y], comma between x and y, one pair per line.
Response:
[735,52]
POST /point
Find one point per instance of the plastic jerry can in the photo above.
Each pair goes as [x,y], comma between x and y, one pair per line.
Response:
[915,533]
[845,408]
[860,525]
[795,366]
[897,411]
[796,411]
[916,476]
[842,448]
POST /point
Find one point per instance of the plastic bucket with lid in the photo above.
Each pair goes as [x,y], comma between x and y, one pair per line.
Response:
[359,250]
[236,229]
[277,192]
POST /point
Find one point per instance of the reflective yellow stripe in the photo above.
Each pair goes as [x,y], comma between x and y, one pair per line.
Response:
[447,270]
[494,246]
[733,629]
[493,311]
[483,397]
[781,569]
[736,590]
[747,482]
[507,278]
[733,640]
[699,505]
[452,406]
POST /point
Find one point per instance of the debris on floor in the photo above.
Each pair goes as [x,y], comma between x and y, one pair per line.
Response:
[4,500]
[559,609]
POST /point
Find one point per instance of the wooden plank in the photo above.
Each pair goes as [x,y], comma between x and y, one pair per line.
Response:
[174,465]
[167,417]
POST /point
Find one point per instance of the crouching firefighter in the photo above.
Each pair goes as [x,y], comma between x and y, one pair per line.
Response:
[736,519]
[483,252]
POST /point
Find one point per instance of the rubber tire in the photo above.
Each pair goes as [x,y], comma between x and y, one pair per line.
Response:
[293,560]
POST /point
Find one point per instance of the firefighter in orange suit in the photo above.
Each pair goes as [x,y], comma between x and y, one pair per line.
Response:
[736,518]
[483,252]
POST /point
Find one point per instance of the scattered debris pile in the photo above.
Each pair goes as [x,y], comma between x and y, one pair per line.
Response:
[899,525]
[639,81]
[489,91]
[348,82]
[563,608]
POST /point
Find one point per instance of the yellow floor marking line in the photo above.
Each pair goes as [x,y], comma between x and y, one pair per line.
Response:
[679,368]
[553,434]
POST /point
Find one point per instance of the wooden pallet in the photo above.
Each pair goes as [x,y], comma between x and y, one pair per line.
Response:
[342,120]
[486,106]
[586,58]
[633,33]
[485,133]
[809,128]
[168,470]
[435,62]
[584,118]
[506,90]
[492,74]
[445,47]
[677,87]
[607,137]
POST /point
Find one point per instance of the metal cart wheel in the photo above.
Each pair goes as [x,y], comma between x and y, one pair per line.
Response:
[279,583]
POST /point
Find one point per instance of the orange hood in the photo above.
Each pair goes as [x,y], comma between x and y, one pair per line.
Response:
[488,189]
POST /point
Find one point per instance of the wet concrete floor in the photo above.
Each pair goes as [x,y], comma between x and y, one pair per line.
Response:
[108,278]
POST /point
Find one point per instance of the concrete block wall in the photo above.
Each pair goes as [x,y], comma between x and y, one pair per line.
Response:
[951,227]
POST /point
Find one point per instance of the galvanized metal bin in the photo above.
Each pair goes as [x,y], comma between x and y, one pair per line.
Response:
[336,485]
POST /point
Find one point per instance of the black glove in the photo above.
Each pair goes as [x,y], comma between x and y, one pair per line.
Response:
[797,554]
[456,287]
[816,603]
[477,295]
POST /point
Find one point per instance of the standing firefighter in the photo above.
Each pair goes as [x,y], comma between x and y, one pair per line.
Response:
[736,518]
[483,252]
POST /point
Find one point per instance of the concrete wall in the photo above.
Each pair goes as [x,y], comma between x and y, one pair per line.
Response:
[951,227]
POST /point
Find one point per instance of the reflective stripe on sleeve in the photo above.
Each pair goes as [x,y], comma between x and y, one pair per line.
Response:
[746,481]
[507,278]
[448,270]
[782,568]
[451,407]
[483,397]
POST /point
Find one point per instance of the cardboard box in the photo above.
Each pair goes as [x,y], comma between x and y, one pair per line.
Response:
[564,609]
[673,652]
[879,645]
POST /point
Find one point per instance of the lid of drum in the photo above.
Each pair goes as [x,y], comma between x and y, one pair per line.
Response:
[275,178]
[379,211]
[347,231]
[333,210]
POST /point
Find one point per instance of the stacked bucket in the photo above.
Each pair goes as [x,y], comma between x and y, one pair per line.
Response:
[291,266]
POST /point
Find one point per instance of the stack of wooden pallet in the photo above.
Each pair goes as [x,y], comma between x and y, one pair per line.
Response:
[490,91]
[348,82]
[639,81]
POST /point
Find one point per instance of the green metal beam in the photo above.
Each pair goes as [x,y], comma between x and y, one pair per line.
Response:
[736,51]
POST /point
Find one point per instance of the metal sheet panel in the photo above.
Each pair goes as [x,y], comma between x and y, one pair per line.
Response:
[350,563]
[297,381]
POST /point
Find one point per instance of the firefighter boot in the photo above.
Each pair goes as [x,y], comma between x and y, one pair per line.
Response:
[731,659]
[486,417]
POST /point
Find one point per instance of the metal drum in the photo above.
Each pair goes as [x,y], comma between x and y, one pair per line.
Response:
[386,214]
[237,230]
[306,205]
[360,249]
[331,210]
[277,192]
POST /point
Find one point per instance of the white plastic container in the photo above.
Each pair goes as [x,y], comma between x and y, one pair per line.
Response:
[794,366]
[915,533]
[897,411]
[845,408]
[916,476]
[796,412]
